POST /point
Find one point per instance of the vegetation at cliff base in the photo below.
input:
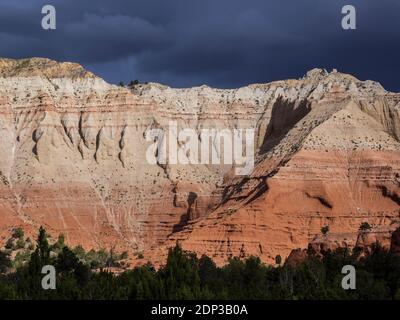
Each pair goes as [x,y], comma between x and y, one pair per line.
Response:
[185,276]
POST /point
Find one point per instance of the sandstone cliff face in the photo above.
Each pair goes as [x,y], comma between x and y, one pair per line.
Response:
[74,160]
[331,160]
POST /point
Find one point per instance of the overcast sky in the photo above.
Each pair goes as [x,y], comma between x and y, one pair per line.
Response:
[221,43]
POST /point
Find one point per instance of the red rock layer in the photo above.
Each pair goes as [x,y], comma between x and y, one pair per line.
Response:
[74,160]
[314,189]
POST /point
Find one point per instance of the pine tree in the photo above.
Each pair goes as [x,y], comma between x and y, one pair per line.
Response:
[5,261]
[180,275]
[43,248]
[66,261]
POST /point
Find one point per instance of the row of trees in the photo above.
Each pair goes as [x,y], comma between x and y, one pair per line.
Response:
[187,277]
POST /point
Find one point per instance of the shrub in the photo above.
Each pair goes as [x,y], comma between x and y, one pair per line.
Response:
[59,245]
[20,243]
[18,233]
[134,83]
[21,258]
[5,261]
[325,230]
[365,226]
[10,244]
[124,255]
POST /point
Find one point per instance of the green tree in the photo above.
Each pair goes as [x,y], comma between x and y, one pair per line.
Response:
[5,261]
[42,247]
[7,289]
[59,244]
[180,275]
[30,287]
[66,261]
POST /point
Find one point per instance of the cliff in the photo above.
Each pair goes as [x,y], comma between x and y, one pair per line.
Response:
[74,160]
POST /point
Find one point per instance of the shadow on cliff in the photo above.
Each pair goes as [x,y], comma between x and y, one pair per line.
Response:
[284,115]
[189,215]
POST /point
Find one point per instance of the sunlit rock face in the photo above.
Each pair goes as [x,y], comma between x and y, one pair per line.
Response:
[74,147]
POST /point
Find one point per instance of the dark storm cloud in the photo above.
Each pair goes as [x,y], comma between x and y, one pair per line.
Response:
[223,43]
[117,36]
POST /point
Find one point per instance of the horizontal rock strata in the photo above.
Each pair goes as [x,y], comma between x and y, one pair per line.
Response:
[74,160]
